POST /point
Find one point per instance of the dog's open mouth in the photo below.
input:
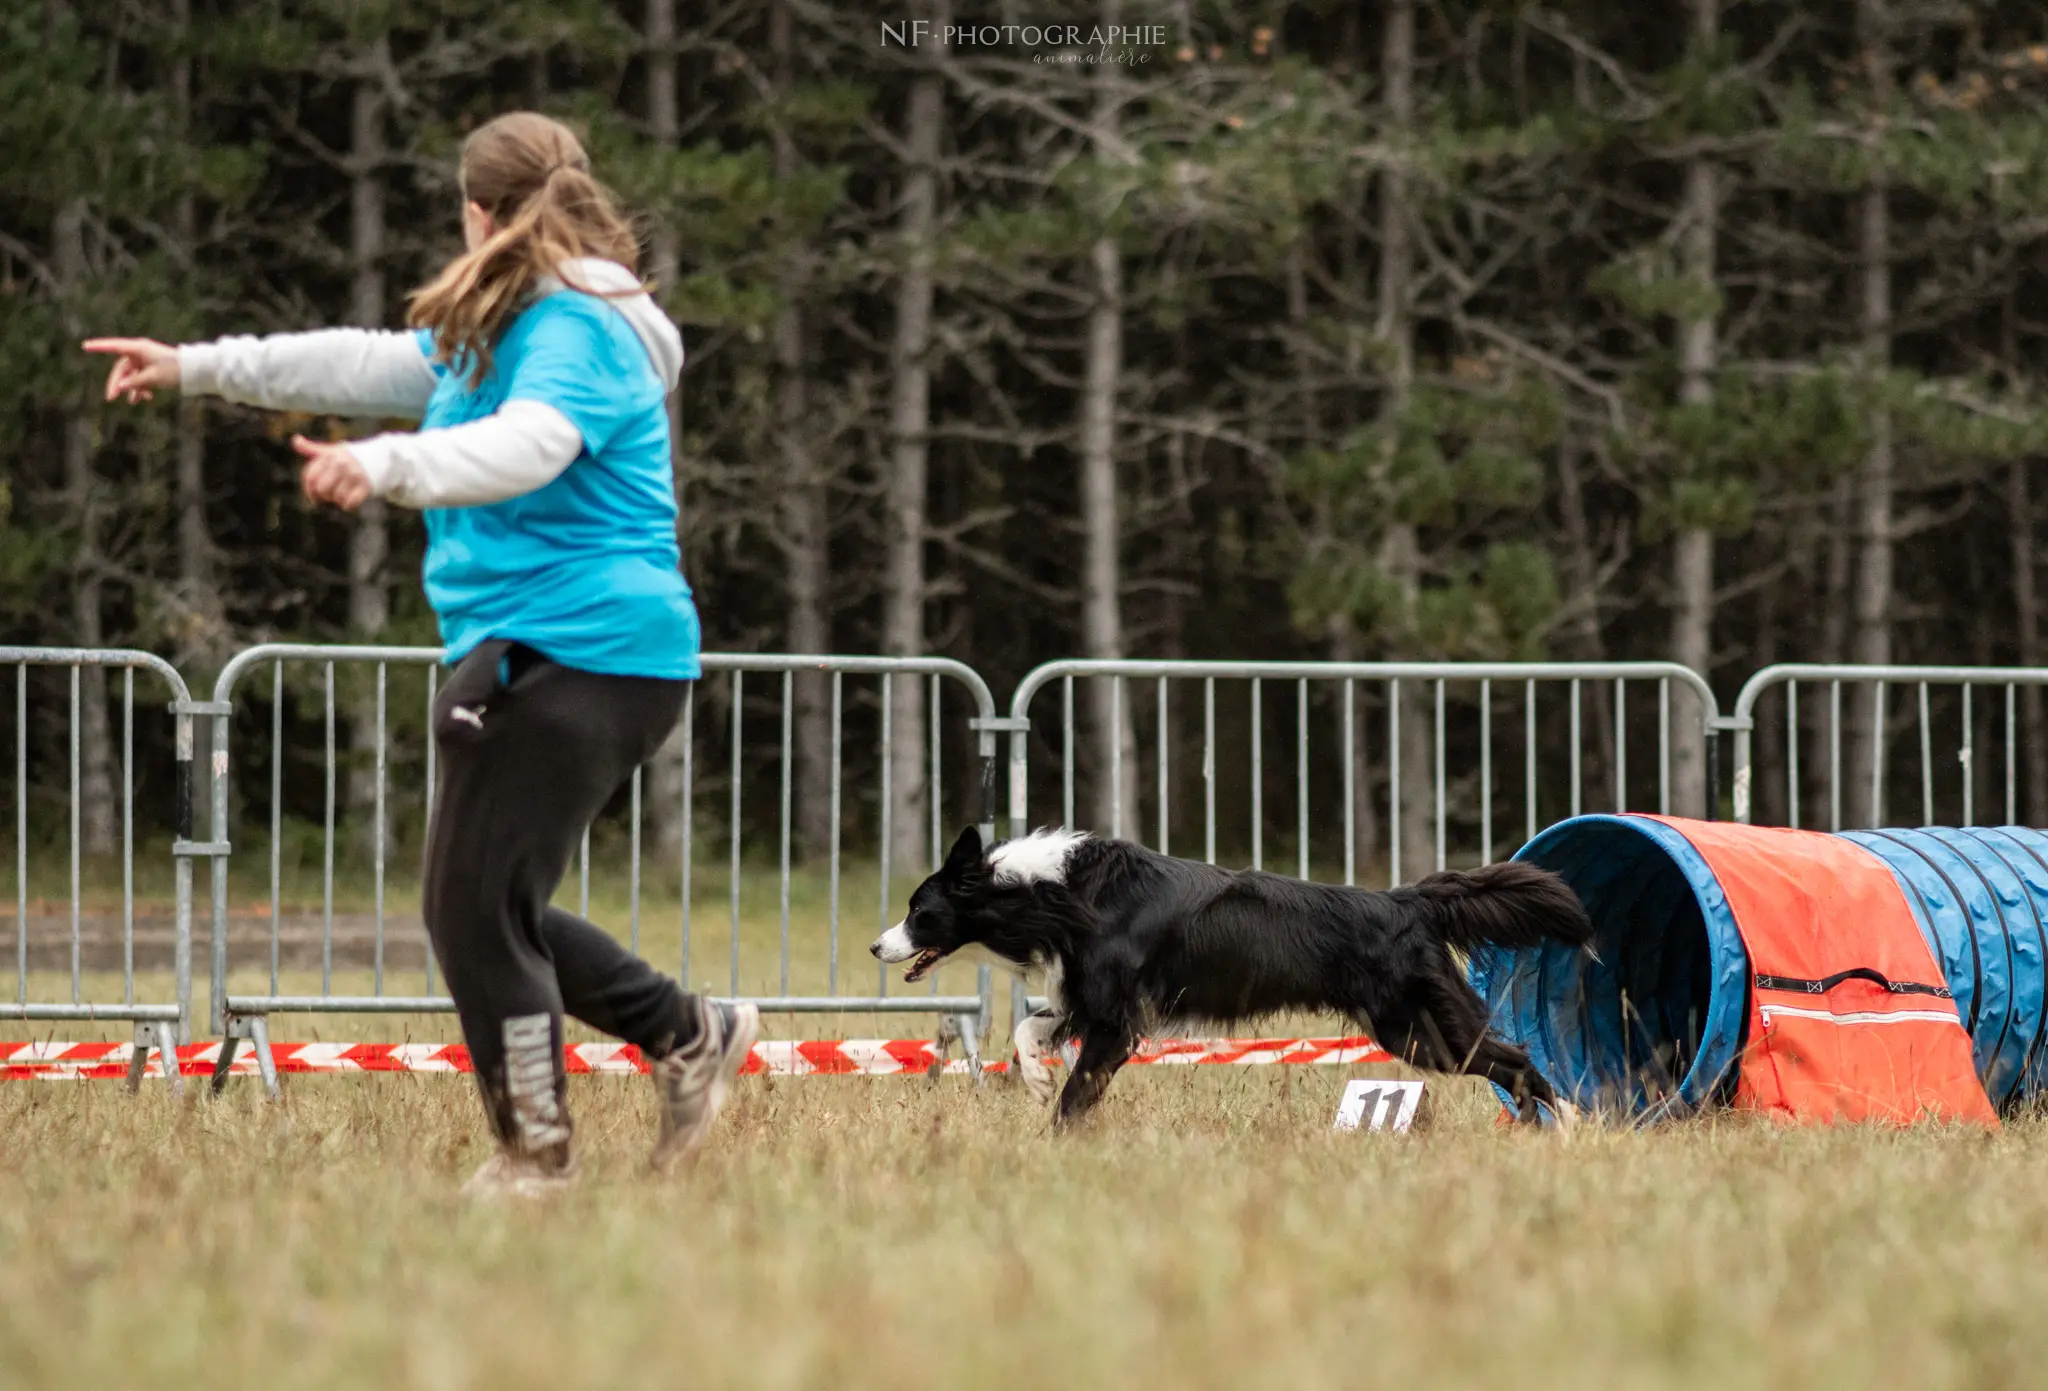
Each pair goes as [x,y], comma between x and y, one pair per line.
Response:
[922,967]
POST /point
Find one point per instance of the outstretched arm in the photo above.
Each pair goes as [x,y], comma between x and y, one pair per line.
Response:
[345,371]
[520,447]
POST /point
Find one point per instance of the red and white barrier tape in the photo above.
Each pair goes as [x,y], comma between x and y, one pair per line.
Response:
[870,1057]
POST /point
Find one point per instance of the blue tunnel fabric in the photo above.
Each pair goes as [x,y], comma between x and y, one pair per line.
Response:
[1655,1027]
[1663,1004]
[1981,898]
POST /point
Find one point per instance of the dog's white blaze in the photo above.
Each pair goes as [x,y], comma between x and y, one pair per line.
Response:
[894,945]
[1040,857]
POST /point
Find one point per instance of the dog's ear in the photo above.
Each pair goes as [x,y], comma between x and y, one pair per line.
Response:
[965,856]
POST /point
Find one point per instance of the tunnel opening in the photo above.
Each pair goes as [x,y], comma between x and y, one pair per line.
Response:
[1651,1023]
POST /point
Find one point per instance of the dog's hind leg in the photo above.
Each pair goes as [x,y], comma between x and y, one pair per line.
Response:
[1509,1067]
[1459,1017]
[1102,1053]
[1413,1037]
[1439,1024]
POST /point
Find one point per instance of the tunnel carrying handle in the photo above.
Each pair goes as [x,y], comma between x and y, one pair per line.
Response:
[1827,983]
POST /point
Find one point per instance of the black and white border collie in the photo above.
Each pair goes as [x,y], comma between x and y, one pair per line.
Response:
[1128,944]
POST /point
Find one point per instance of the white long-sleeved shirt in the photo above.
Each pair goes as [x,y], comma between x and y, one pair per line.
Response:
[520,447]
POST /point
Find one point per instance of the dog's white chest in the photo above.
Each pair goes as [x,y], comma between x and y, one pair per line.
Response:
[1041,977]
[1054,977]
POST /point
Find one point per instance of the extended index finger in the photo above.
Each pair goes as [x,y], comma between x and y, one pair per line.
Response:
[118,345]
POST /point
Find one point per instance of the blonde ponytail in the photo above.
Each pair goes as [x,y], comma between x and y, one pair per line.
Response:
[531,175]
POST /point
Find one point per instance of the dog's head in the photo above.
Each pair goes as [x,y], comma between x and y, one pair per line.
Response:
[988,898]
[940,920]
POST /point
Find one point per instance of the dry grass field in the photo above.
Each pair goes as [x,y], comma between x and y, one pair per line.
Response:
[846,1232]
[891,1233]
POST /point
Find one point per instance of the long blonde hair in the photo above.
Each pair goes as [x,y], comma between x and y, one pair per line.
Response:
[530,174]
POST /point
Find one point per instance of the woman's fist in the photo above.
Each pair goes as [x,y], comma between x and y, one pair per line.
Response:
[332,474]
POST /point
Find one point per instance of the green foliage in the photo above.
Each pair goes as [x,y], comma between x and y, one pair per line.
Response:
[1704,95]
[1996,162]
[1709,462]
[1285,434]
[1499,608]
[1647,283]
[1963,418]
[1453,462]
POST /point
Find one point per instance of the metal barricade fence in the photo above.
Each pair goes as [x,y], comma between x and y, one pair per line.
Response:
[1504,747]
[1453,801]
[1483,686]
[91,956]
[242,1014]
[1863,723]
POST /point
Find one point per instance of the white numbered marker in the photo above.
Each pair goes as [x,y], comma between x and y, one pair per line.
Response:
[1372,1103]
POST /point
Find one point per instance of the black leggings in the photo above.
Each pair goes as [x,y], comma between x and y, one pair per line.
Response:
[530,752]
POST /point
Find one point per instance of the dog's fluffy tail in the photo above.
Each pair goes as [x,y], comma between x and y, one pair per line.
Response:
[1511,904]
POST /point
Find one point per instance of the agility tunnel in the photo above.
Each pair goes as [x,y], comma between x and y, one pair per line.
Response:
[1870,975]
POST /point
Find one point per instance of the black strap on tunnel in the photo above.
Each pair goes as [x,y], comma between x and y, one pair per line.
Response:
[1827,983]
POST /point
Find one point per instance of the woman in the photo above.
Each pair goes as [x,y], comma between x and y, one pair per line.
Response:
[539,368]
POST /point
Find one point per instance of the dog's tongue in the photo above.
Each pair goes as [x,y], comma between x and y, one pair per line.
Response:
[919,968]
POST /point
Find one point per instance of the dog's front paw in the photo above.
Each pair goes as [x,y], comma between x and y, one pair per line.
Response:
[1036,1076]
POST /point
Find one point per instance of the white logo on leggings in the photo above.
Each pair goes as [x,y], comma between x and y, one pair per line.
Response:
[530,1082]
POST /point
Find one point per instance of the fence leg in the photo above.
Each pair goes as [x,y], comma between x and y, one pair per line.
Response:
[164,1038]
[259,1039]
[138,1057]
[969,1028]
[1020,1007]
[230,1044]
[984,1020]
[966,1028]
[167,1049]
[256,1029]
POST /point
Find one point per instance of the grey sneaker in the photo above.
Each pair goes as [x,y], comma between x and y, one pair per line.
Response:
[690,1083]
[521,1176]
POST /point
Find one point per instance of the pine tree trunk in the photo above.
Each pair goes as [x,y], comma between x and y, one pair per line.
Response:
[2026,596]
[2026,602]
[1102,629]
[909,421]
[1345,644]
[663,802]
[369,602]
[205,634]
[1342,630]
[804,537]
[1582,583]
[97,816]
[1401,551]
[1871,635]
[1768,788]
[1822,784]
[1365,811]
[1692,611]
[203,626]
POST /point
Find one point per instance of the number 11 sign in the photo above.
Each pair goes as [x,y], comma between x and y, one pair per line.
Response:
[1372,1103]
